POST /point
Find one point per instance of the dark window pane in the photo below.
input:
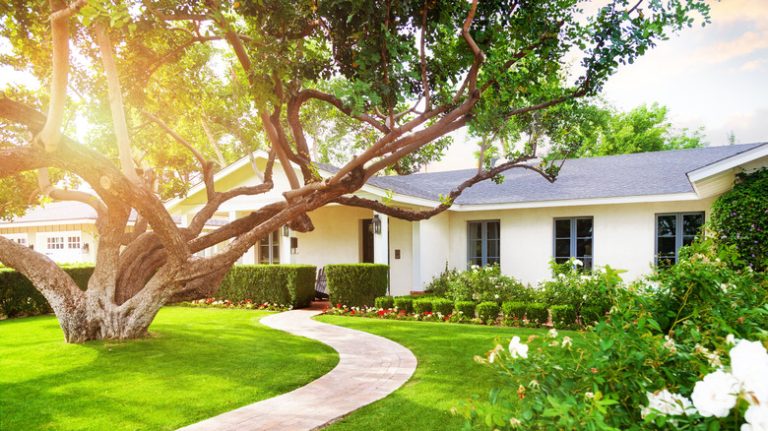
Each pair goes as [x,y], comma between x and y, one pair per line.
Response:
[584,228]
[666,247]
[562,228]
[475,231]
[561,260]
[476,261]
[667,225]
[476,249]
[687,240]
[493,260]
[493,249]
[584,247]
[493,230]
[563,248]
[692,223]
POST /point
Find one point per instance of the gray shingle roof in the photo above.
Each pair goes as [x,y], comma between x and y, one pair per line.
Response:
[655,173]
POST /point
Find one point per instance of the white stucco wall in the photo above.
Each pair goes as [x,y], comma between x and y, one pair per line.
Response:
[623,236]
[434,249]
[400,270]
[336,238]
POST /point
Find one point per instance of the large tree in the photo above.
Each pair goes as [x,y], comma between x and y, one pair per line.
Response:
[155,78]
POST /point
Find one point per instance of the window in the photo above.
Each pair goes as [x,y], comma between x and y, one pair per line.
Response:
[674,231]
[55,242]
[573,238]
[484,242]
[269,249]
[73,242]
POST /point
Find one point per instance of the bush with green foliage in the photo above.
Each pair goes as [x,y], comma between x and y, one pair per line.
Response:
[438,286]
[572,286]
[356,284]
[563,316]
[663,335]
[536,312]
[487,311]
[513,310]
[442,306]
[278,284]
[19,298]
[404,303]
[385,302]
[591,314]
[422,305]
[467,308]
[486,284]
[740,217]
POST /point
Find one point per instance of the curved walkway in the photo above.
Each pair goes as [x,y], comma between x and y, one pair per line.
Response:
[370,367]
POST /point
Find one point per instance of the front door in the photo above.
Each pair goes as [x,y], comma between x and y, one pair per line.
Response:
[367,241]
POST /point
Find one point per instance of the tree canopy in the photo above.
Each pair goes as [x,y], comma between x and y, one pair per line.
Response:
[170,90]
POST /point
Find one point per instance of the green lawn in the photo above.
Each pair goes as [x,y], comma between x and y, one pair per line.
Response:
[446,374]
[196,363]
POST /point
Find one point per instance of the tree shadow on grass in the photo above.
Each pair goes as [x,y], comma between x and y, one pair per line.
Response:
[187,370]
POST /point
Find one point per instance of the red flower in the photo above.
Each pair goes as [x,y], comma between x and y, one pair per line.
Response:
[352,312]
[381,312]
[338,305]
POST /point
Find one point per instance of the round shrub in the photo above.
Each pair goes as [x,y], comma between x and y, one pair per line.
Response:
[591,314]
[513,310]
[536,312]
[563,315]
[486,284]
[442,306]
[422,305]
[740,216]
[466,308]
[384,302]
[404,303]
[488,311]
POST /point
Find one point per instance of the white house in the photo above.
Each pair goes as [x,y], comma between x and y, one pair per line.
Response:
[623,211]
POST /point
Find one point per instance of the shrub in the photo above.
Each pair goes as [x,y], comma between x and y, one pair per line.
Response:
[739,217]
[356,284]
[563,315]
[404,303]
[487,311]
[573,287]
[513,310]
[591,314]
[278,284]
[385,302]
[487,284]
[439,285]
[422,305]
[467,308]
[19,298]
[536,312]
[442,306]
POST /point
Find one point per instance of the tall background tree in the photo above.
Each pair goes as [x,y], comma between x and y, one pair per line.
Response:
[165,84]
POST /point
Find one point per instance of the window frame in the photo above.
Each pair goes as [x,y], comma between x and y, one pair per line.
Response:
[273,242]
[484,242]
[679,234]
[573,238]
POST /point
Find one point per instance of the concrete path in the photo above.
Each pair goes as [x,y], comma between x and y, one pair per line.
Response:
[370,367]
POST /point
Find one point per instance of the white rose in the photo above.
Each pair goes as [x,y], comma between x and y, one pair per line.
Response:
[552,333]
[757,418]
[749,364]
[567,342]
[716,394]
[518,349]
[577,262]
[668,404]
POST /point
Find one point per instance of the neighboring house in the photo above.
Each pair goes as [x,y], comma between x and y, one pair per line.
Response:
[626,211]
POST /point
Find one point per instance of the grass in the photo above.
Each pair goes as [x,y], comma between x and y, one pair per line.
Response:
[197,363]
[445,377]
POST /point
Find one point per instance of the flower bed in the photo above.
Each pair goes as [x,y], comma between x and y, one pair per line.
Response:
[245,304]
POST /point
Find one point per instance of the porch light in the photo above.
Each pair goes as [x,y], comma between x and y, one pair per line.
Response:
[376,224]
[286,230]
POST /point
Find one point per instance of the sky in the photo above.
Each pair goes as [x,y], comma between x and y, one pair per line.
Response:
[715,77]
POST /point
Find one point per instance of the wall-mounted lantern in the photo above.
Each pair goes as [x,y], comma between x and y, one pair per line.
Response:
[286,230]
[376,224]
[86,248]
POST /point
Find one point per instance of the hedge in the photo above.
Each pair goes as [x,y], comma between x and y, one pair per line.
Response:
[277,284]
[537,312]
[422,305]
[513,310]
[356,284]
[19,298]
[385,302]
[466,308]
[442,306]
[487,311]
[563,315]
[404,303]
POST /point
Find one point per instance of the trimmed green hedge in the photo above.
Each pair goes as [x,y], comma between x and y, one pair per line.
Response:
[513,310]
[404,303]
[442,306]
[537,312]
[278,284]
[488,311]
[467,308]
[563,316]
[422,305]
[385,302]
[356,284]
[19,298]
